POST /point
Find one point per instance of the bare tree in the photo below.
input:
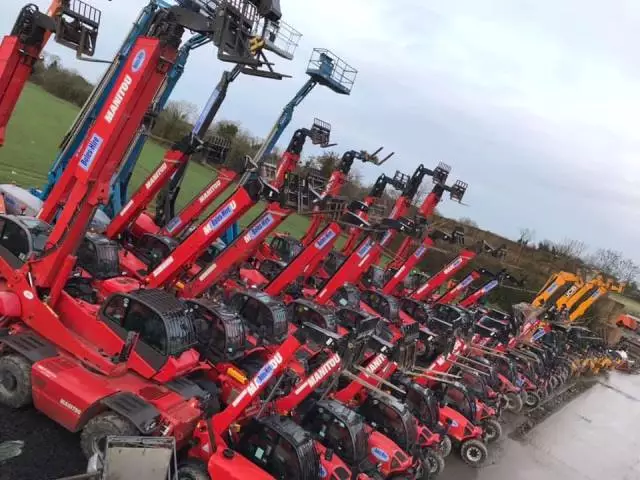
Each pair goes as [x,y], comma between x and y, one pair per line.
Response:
[628,270]
[468,222]
[527,235]
[570,248]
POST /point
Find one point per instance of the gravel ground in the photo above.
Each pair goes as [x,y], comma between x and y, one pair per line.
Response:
[50,451]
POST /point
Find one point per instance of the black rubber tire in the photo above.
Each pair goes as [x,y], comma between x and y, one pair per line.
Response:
[514,402]
[193,471]
[102,425]
[533,400]
[433,464]
[474,453]
[445,446]
[493,430]
[15,381]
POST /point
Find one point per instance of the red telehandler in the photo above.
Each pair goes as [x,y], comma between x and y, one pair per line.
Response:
[426,210]
[74,24]
[118,367]
[398,182]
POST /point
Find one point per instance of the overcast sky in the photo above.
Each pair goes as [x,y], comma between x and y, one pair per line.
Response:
[534,103]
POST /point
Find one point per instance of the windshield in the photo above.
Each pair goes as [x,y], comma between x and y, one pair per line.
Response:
[39,232]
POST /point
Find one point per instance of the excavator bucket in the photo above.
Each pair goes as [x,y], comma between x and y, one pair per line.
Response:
[458,190]
[320,133]
[441,173]
[77,25]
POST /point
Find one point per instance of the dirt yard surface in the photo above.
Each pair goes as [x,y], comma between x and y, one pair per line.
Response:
[588,432]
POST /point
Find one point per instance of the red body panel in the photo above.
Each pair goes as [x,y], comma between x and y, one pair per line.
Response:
[405,269]
[317,249]
[70,394]
[198,205]
[239,250]
[16,65]
[443,275]
[195,244]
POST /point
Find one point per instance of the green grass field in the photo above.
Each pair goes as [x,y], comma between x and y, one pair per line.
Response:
[630,305]
[39,123]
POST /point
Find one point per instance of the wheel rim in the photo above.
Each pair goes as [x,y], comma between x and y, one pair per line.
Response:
[474,454]
[98,444]
[8,381]
[491,432]
[432,464]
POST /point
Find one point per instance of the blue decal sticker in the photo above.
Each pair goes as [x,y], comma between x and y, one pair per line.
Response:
[90,152]
[490,286]
[465,283]
[262,224]
[539,334]
[380,454]
[420,251]
[220,218]
[138,62]
[323,472]
[363,250]
[173,224]
[264,374]
[324,239]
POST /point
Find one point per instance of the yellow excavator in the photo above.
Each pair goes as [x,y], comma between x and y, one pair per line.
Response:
[552,285]
[602,287]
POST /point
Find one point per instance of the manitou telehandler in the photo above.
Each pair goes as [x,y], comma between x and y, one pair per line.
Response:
[426,210]
[303,259]
[398,182]
[74,24]
[118,367]
[284,247]
[170,172]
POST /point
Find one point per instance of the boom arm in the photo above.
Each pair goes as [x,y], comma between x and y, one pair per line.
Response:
[85,186]
[422,293]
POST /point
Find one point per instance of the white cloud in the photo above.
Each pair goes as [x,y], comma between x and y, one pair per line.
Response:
[534,103]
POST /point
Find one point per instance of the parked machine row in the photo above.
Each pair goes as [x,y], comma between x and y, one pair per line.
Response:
[261,355]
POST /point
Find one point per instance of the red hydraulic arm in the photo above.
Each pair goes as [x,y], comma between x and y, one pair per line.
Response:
[253,236]
[426,210]
[406,268]
[334,187]
[453,293]
[84,185]
[398,182]
[180,260]
[473,298]
[238,251]
[18,54]
[423,292]
[205,198]
[317,249]
[274,367]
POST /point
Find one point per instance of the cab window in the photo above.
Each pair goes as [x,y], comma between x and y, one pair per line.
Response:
[15,239]
[148,324]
